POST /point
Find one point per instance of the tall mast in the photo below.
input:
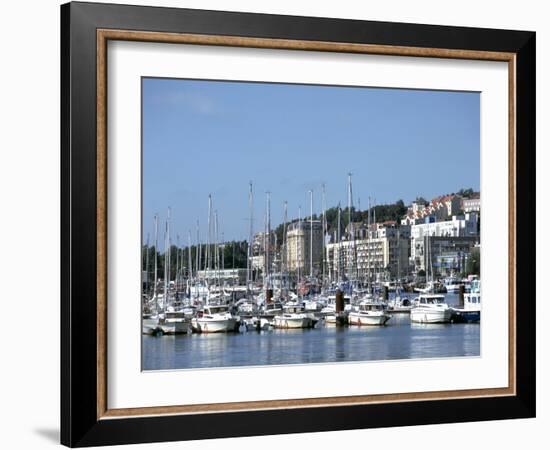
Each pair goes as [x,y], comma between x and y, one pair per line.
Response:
[268,237]
[339,239]
[167,261]
[178,263]
[198,252]
[311,234]
[147,265]
[250,237]
[189,257]
[216,248]
[369,253]
[156,220]
[209,236]
[376,237]
[284,255]
[351,232]
[298,246]
[324,228]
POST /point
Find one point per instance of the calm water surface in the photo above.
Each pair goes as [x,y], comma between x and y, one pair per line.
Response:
[399,339]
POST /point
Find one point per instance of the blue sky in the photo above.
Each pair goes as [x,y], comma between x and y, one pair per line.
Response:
[202,137]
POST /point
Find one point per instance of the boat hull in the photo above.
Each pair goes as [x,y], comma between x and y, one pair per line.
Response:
[213,325]
[464,315]
[283,322]
[176,327]
[421,315]
[368,319]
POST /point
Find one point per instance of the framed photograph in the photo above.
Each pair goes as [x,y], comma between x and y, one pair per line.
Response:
[277,224]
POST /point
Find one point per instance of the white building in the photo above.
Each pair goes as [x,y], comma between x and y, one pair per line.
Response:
[384,253]
[300,241]
[458,226]
[471,205]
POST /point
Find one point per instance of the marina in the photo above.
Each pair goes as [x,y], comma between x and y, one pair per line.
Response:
[273,257]
[290,286]
[399,339]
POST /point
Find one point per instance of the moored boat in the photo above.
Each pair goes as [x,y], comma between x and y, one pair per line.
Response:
[431,308]
[293,316]
[214,319]
[369,312]
[471,311]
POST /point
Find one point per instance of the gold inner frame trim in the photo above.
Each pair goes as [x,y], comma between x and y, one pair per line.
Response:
[103,36]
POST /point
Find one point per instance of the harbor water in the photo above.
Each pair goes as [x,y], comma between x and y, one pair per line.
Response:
[399,339]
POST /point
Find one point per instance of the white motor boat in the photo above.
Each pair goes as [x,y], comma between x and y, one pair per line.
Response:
[174,322]
[431,308]
[369,312]
[214,319]
[293,316]
[169,322]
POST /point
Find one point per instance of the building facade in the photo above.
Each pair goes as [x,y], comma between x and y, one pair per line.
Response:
[453,231]
[302,240]
[471,205]
[383,253]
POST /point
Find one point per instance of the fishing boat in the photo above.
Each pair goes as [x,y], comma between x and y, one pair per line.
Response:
[471,311]
[214,319]
[293,316]
[369,312]
[431,308]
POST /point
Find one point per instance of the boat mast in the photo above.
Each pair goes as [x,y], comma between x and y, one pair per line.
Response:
[209,237]
[298,247]
[177,260]
[369,253]
[198,252]
[268,236]
[147,265]
[311,234]
[250,237]
[189,257]
[284,255]
[156,219]
[166,261]
[339,238]
[351,231]
[324,231]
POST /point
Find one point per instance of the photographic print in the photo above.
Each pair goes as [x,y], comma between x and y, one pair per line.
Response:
[297,224]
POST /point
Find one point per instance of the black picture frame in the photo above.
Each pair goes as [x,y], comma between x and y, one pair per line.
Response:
[80,425]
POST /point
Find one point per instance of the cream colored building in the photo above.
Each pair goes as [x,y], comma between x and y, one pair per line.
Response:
[385,253]
[299,245]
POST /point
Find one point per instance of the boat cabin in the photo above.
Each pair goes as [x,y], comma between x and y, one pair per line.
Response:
[425,300]
[371,307]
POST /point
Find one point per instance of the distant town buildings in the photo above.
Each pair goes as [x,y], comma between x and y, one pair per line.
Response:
[438,235]
[380,252]
[471,204]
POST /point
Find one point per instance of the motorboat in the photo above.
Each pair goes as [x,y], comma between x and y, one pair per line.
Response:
[292,316]
[369,312]
[471,311]
[431,308]
[214,319]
